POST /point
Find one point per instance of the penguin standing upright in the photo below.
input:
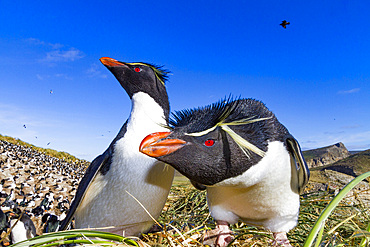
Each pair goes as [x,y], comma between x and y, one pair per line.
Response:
[107,192]
[4,222]
[251,165]
[22,226]
[50,222]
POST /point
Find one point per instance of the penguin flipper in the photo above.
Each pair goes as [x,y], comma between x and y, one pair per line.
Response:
[303,173]
[90,174]
[198,185]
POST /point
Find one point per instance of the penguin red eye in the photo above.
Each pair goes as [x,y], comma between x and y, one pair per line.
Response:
[137,69]
[209,142]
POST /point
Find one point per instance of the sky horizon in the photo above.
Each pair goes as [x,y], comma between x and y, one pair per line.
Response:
[314,75]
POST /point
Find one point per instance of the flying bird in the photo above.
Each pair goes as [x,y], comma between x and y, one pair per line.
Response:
[24,126]
[284,23]
[252,167]
[107,192]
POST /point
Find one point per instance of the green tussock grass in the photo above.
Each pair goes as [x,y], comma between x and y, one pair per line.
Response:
[187,211]
[186,219]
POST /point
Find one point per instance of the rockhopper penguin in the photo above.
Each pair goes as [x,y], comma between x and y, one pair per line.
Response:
[251,165]
[22,226]
[105,196]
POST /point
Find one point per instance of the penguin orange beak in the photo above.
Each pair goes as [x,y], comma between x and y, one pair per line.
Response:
[107,61]
[153,145]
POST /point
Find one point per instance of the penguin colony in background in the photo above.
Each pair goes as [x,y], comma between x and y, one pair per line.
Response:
[251,165]
[36,185]
[122,178]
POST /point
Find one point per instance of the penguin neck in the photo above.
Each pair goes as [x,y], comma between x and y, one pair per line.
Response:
[144,106]
[146,117]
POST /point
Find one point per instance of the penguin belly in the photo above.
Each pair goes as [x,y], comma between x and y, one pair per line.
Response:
[19,232]
[114,206]
[261,196]
[107,202]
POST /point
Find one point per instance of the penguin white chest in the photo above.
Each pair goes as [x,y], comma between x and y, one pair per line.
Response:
[108,202]
[19,232]
[262,195]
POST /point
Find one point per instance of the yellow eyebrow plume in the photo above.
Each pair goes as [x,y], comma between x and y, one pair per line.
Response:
[244,145]
[157,71]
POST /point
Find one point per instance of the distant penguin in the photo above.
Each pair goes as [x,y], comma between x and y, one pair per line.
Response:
[2,182]
[251,165]
[50,222]
[105,196]
[4,222]
[23,228]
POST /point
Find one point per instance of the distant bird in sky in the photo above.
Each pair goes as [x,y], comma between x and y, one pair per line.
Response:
[24,126]
[48,143]
[284,23]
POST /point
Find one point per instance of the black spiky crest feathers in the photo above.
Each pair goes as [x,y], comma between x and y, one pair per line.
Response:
[226,110]
[210,114]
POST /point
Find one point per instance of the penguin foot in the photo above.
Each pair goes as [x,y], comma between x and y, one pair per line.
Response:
[281,239]
[221,236]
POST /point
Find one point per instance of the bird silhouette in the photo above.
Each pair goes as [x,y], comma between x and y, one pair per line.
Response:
[284,23]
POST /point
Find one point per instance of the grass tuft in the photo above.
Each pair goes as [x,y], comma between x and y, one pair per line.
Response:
[186,219]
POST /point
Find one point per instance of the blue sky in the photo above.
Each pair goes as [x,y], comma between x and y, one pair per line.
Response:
[314,75]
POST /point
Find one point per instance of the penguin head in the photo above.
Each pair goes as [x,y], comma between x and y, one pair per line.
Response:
[140,77]
[216,142]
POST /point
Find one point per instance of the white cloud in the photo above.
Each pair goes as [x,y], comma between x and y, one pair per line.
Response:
[358,147]
[354,126]
[34,41]
[56,52]
[13,118]
[59,55]
[95,71]
[354,90]
[67,77]
[350,140]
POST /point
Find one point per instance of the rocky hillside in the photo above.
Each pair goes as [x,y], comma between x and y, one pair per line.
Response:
[335,176]
[326,155]
[353,165]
